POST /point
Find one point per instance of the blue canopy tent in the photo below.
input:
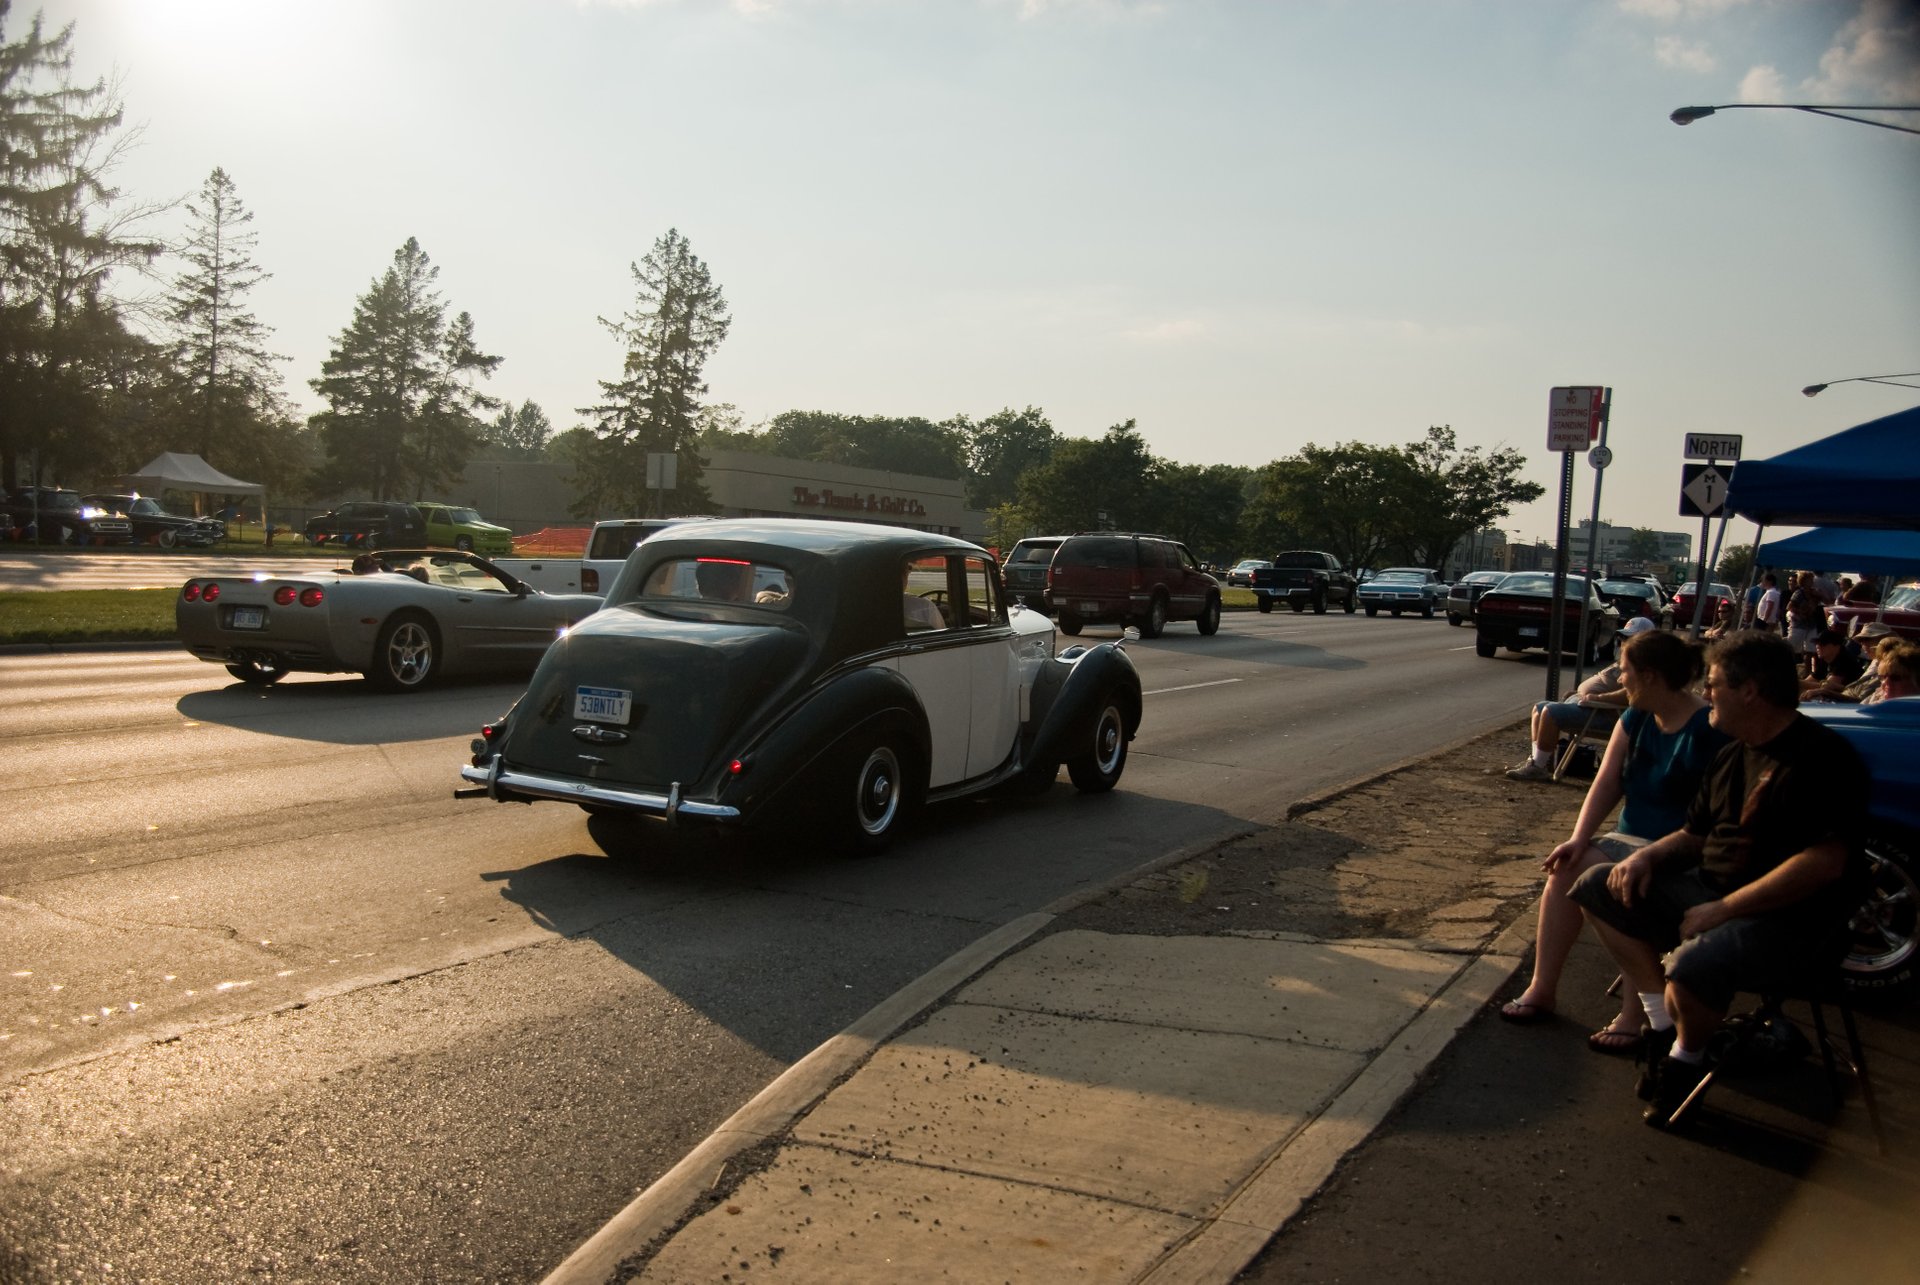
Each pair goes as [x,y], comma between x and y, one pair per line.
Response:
[1883,553]
[1864,476]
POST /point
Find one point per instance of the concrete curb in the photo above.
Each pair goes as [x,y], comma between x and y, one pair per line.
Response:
[41,649]
[1242,1227]
[772,1111]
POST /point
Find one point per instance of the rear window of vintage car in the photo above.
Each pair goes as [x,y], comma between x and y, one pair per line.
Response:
[731,581]
[1034,552]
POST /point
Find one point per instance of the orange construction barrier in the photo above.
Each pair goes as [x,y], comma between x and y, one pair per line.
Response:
[553,542]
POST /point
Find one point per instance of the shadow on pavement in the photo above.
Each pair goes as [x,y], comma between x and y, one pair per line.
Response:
[345,709]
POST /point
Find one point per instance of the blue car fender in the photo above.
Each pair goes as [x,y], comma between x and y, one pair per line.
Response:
[798,750]
[1089,679]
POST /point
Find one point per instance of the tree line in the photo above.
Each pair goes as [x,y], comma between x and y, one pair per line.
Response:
[94,380]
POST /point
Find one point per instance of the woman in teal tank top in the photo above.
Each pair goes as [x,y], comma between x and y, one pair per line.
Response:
[1658,753]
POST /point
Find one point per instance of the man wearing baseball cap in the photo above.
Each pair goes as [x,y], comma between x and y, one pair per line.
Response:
[1595,707]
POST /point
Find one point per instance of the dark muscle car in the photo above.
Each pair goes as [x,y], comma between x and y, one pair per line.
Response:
[1517,614]
[402,618]
[753,669]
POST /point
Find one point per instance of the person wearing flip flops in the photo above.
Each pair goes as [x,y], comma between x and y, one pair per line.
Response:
[1755,890]
[1654,761]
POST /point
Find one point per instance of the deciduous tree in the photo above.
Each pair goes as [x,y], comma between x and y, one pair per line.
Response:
[1001,449]
[1091,483]
[1451,493]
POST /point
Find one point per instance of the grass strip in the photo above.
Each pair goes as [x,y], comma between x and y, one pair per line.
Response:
[86,615]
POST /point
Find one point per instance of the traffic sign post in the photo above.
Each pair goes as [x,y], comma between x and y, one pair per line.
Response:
[1720,447]
[1574,416]
[1576,419]
[1703,491]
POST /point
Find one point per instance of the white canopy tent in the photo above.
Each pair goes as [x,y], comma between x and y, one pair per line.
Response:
[171,470]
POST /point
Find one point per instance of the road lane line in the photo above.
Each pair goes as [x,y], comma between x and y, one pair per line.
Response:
[1218,682]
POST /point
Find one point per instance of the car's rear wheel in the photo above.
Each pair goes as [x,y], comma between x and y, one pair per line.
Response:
[1453,618]
[1484,647]
[1264,604]
[405,653]
[1884,946]
[876,798]
[1320,602]
[258,673]
[1209,619]
[1156,618]
[1395,611]
[1069,623]
[1350,602]
[1098,768]
[1426,611]
[166,537]
[1297,605]
[1373,611]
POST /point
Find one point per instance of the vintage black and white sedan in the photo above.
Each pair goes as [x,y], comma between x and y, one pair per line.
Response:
[402,617]
[768,670]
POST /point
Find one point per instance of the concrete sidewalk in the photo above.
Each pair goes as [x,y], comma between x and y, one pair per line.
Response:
[1112,1107]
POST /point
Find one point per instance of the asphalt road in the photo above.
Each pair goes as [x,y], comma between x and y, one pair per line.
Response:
[271,1001]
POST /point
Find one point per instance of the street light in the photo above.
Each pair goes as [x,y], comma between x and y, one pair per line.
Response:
[1814,390]
[1688,115]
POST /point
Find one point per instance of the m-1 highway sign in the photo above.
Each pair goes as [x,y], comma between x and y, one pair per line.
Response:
[1712,446]
[1703,490]
[1573,417]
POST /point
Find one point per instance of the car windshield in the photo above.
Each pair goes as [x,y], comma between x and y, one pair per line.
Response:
[1039,552]
[463,515]
[1905,598]
[735,581]
[1400,577]
[1312,560]
[439,569]
[1541,582]
[1633,587]
[1249,564]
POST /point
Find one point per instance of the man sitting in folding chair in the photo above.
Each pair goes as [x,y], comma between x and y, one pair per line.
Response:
[1594,709]
[1753,893]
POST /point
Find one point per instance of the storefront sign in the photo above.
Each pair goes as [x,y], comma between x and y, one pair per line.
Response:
[894,505]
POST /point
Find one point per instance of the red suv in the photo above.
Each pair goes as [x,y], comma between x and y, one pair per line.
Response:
[1143,579]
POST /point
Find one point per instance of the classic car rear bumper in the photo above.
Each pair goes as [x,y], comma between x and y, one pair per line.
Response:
[504,784]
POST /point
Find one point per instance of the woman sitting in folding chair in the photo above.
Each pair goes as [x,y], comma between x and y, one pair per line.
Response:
[1655,758]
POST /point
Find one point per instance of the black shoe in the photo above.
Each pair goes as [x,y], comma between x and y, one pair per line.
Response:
[1652,1056]
[1676,1080]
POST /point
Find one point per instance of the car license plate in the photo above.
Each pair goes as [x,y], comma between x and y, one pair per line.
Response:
[602,704]
[1089,607]
[249,617]
[1529,632]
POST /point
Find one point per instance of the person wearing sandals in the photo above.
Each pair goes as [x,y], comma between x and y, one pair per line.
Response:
[1655,759]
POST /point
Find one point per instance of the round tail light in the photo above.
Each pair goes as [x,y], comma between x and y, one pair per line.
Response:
[211,591]
[283,595]
[192,592]
[311,597]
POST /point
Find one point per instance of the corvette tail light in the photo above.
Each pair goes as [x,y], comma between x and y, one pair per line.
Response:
[192,592]
[311,597]
[283,595]
[211,591]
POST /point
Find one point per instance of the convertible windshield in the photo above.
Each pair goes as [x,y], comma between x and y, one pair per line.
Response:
[725,580]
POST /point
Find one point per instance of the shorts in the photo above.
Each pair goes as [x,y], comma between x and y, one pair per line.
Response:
[1762,953]
[1571,716]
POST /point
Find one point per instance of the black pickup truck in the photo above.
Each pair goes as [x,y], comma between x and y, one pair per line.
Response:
[1303,578]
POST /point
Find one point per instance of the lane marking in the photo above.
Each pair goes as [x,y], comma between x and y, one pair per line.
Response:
[1218,682]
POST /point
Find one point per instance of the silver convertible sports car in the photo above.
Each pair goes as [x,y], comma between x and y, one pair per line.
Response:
[402,617]
[754,670]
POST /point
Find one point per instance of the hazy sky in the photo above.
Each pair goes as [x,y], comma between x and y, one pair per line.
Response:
[1246,225]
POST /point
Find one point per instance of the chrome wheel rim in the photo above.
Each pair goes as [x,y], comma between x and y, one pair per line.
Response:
[877,791]
[1109,741]
[410,654]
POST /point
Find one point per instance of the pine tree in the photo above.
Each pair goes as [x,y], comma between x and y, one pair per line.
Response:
[678,320]
[227,391]
[402,413]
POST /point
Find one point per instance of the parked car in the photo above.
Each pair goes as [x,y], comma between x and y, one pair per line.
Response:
[403,618]
[1884,957]
[1025,571]
[1636,598]
[152,524]
[1240,575]
[450,526]
[1716,594]
[1516,614]
[55,515]
[1901,614]
[885,671]
[1303,578]
[1399,589]
[370,524]
[1464,592]
[1125,577]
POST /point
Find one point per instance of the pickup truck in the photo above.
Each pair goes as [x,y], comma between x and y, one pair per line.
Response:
[1303,578]
[607,550]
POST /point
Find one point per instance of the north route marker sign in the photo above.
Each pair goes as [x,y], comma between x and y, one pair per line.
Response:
[1573,417]
[1703,490]
[1712,446]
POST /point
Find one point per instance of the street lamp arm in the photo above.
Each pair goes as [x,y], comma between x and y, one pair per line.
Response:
[1688,115]
[1813,390]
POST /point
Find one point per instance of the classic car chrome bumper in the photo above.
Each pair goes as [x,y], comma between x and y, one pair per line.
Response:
[669,805]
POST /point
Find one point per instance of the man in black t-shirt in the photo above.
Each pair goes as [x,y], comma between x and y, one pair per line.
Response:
[1837,661]
[1754,892]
